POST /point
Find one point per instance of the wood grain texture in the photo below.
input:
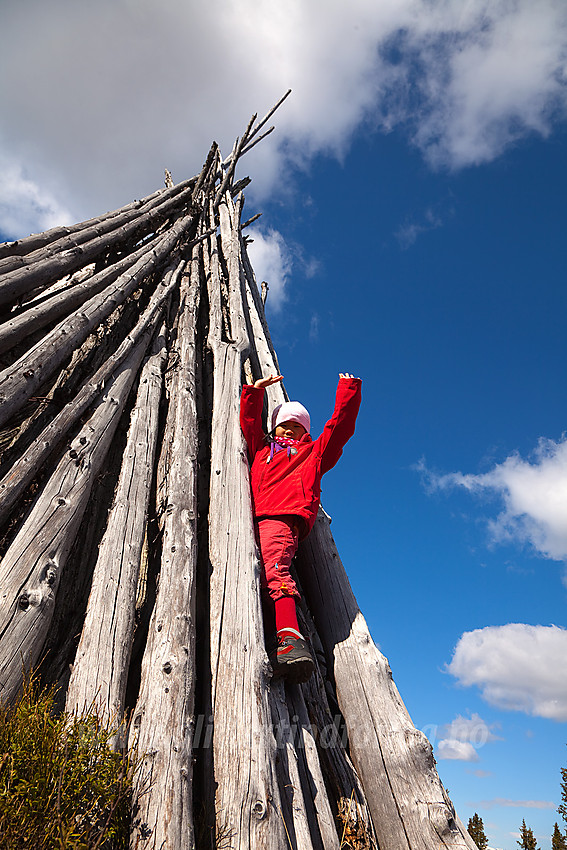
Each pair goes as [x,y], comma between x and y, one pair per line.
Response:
[31,570]
[247,802]
[19,381]
[163,717]
[28,464]
[100,669]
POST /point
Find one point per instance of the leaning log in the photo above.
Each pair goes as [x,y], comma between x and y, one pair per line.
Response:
[21,380]
[410,807]
[54,262]
[100,671]
[104,223]
[163,720]
[27,466]
[31,570]
[247,800]
[61,303]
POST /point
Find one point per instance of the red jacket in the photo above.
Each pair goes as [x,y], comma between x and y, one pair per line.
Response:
[292,485]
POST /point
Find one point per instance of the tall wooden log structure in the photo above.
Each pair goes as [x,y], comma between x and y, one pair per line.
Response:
[129,567]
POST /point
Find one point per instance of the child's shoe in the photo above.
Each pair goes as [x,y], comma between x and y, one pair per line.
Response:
[292,659]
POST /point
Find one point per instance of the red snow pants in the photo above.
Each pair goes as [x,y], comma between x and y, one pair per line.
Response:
[278,539]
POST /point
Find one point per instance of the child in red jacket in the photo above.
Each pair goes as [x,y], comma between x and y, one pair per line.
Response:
[285,477]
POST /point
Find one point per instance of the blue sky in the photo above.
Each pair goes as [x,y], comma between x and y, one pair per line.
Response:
[413,233]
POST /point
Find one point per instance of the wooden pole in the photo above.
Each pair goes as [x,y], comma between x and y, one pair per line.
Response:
[247,800]
[22,380]
[162,725]
[31,570]
[100,670]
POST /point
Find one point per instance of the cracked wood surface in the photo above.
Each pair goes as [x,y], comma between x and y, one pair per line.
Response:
[162,723]
[100,669]
[247,801]
[31,570]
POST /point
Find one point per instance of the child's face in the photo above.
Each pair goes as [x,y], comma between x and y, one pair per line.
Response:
[291,430]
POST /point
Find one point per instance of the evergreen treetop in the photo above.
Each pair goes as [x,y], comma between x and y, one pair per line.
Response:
[527,840]
[558,840]
[476,832]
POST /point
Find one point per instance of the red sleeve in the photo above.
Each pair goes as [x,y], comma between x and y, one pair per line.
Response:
[251,403]
[340,427]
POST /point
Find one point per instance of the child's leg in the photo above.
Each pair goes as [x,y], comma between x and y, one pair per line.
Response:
[278,544]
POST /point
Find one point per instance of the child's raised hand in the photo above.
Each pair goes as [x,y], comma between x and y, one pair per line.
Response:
[267,382]
[345,375]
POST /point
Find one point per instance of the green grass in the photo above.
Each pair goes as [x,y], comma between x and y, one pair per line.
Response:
[61,784]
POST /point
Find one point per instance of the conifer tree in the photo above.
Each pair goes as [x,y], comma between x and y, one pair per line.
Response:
[558,840]
[527,841]
[563,807]
[476,832]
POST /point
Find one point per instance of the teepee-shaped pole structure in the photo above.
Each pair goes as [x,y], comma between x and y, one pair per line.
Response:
[129,565]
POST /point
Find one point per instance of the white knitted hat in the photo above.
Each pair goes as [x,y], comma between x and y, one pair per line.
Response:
[291,411]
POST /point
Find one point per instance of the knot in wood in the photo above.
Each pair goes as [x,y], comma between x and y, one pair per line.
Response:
[259,809]
[167,667]
[24,601]
[73,453]
[50,576]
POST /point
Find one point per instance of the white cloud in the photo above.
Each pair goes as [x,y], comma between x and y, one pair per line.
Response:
[24,207]
[461,738]
[496,75]
[516,804]
[457,750]
[517,667]
[107,94]
[534,494]
[472,729]
[272,263]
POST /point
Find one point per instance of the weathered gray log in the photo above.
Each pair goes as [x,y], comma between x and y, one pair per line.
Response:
[16,329]
[100,669]
[294,804]
[21,380]
[266,357]
[254,132]
[410,808]
[31,569]
[21,247]
[319,813]
[233,159]
[247,800]
[26,467]
[341,780]
[163,719]
[53,266]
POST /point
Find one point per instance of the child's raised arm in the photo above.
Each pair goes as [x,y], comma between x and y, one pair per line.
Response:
[340,427]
